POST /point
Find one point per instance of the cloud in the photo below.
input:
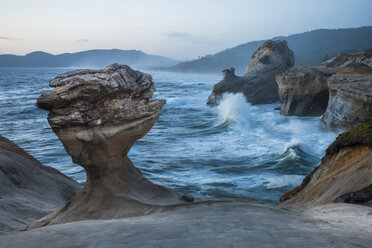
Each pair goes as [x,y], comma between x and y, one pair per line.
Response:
[197,39]
[82,41]
[6,38]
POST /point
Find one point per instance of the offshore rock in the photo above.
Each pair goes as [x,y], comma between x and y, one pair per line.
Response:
[98,115]
[350,99]
[303,91]
[258,83]
[345,168]
[28,189]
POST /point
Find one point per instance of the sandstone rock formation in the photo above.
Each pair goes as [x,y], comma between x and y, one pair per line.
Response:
[258,84]
[362,59]
[303,91]
[350,99]
[346,168]
[98,115]
[29,190]
[235,224]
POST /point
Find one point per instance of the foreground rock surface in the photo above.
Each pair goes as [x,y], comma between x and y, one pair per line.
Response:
[98,115]
[350,99]
[212,224]
[303,91]
[258,84]
[346,168]
[29,190]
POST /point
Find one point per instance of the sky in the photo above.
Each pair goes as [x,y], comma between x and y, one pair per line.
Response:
[179,29]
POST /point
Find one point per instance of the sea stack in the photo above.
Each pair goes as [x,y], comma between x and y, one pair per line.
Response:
[258,83]
[98,115]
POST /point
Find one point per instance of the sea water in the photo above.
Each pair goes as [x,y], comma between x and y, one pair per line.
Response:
[234,150]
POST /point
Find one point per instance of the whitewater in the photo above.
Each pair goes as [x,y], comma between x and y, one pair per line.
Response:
[234,150]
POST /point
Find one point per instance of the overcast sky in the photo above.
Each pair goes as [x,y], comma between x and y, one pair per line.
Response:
[180,29]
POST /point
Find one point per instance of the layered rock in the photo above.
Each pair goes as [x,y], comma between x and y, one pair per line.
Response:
[362,59]
[258,84]
[350,99]
[98,115]
[303,91]
[29,190]
[346,168]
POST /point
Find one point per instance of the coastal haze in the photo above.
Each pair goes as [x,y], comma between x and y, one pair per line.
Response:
[181,30]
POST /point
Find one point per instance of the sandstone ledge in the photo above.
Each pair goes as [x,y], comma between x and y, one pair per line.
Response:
[212,224]
[28,189]
[345,168]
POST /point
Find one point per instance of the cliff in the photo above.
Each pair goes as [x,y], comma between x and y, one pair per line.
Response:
[345,168]
[303,91]
[350,99]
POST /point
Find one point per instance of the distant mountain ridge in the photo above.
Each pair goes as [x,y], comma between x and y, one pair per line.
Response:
[89,58]
[309,48]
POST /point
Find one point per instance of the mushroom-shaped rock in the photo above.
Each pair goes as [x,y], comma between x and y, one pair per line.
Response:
[258,83]
[98,115]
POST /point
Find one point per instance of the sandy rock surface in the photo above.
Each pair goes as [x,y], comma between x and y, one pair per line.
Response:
[213,224]
[28,189]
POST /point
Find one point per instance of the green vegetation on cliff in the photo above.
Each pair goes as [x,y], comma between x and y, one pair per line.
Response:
[361,135]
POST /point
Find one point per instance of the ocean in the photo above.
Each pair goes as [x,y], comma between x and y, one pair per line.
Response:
[236,150]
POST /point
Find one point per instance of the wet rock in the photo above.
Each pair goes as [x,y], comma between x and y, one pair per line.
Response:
[98,115]
[258,84]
